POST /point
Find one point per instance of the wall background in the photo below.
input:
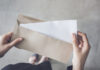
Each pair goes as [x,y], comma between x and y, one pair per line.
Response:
[87,12]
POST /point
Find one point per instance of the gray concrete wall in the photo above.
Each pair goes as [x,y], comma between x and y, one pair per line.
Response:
[87,12]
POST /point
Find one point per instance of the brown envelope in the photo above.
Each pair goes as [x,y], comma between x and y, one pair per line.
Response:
[40,43]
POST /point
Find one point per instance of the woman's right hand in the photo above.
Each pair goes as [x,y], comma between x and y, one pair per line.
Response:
[6,44]
[81,49]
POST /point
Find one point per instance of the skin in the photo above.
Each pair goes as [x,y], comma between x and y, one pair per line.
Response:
[6,43]
[81,48]
[32,60]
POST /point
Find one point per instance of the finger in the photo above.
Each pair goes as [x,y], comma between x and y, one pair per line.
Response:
[6,37]
[75,43]
[16,41]
[85,40]
[84,37]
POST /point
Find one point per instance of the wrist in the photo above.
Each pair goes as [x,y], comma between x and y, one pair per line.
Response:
[78,65]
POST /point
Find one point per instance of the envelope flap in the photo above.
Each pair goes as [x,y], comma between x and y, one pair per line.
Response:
[25,19]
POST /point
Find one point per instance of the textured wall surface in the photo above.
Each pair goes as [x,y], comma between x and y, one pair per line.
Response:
[87,12]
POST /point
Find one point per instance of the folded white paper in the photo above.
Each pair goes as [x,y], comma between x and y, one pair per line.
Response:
[58,29]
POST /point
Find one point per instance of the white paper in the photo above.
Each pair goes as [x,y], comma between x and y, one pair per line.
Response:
[58,29]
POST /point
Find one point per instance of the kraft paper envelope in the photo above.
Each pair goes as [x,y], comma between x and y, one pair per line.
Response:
[40,43]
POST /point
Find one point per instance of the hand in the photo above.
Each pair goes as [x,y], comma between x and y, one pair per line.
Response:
[6,44]
[81,49]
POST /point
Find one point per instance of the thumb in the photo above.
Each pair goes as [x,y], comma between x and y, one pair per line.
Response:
[16,41]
